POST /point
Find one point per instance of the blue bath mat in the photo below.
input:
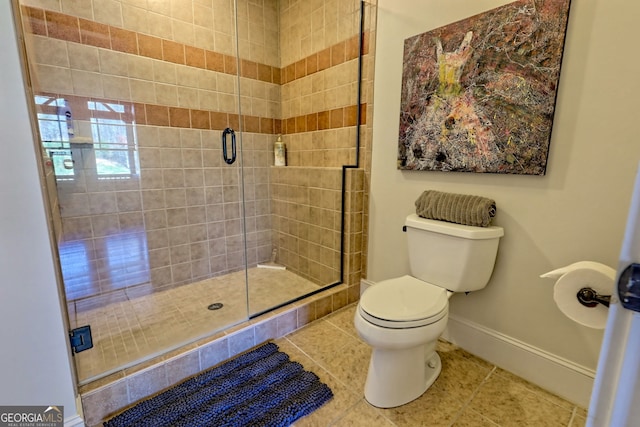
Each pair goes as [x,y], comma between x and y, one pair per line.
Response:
[259,388]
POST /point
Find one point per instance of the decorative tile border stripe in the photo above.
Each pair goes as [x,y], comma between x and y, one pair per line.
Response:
[160,115]
[330,57]
[78,30]
[70,28]
[331,119]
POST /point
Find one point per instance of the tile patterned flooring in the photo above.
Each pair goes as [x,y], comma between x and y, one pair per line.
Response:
[137,327]
[469,392]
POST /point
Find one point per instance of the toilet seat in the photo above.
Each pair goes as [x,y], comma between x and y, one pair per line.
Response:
[403,302]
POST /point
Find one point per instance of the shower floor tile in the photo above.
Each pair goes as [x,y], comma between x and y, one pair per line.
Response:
[130,328]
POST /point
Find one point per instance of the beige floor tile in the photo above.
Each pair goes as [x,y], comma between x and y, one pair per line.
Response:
[434,408]
[470,418]
[581,412]
[343,319]
[343,397]
[579,418]
[363,415]
[350,364]
[535,389]
[321,339]
[508,402]
[470,392]
[466,387]
[461,375]
[447,347]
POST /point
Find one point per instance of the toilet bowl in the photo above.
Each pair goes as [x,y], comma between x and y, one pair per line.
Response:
[402,318]
[403,335]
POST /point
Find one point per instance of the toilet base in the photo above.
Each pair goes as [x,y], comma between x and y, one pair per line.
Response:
[396,377]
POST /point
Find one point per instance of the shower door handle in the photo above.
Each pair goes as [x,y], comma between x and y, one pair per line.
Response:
[227,159]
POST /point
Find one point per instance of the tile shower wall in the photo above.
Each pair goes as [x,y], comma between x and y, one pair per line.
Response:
[320,81]
[354,232]
[306,217]
[307,206]
[171,67]
[167,73]
[319,50]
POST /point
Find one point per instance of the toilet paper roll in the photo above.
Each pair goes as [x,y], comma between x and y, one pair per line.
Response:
[571,279]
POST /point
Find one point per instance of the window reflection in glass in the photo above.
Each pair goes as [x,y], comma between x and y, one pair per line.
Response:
[111,135]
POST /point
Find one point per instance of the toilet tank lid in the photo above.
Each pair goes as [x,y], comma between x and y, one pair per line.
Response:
[452,229]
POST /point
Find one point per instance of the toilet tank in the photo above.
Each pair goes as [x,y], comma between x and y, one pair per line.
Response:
[456,257]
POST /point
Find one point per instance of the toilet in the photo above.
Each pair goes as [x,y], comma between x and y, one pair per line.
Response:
[402,318]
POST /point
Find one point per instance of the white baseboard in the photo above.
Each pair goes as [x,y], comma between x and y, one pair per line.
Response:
[75,421]
[548,371]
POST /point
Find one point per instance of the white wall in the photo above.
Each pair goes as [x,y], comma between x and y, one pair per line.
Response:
[576,212]
[34,362]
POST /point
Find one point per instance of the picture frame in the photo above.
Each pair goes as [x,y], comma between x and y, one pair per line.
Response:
[479,95]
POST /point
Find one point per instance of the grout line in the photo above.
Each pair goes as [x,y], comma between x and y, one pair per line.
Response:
[466,404]
[380,412]
[573,416]
[344,414]
[541,393]
[347,388]
[483,417]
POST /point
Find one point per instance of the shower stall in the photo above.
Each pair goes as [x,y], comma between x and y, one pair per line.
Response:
[156,123]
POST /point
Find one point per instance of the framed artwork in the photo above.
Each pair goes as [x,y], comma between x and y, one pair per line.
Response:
[479,95]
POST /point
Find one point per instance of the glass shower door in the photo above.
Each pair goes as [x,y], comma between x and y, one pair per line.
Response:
[162,238]
[131,104]
[299,81]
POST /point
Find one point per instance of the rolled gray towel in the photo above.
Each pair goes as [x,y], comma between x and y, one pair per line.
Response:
[459,208]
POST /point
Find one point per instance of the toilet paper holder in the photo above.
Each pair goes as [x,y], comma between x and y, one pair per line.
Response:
[628,290]
[590,298]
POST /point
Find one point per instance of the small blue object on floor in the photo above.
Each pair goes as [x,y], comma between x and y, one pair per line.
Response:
[259,388]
